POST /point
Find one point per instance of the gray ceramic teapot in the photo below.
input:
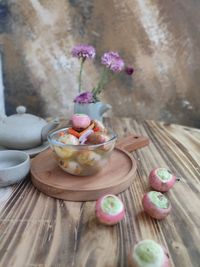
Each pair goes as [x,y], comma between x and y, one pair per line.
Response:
[23,130]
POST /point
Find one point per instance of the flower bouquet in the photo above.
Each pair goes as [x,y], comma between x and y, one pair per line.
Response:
[88,102]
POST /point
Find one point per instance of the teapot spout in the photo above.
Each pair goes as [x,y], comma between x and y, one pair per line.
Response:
[47,128]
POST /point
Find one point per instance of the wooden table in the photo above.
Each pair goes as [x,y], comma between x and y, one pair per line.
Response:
[37,230]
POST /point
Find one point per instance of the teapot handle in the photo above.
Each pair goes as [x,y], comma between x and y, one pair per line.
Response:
[47,128]
[104,108]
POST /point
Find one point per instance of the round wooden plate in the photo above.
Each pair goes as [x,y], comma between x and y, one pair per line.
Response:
[49,178]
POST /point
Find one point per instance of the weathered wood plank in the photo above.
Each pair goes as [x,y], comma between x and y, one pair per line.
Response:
[36,230]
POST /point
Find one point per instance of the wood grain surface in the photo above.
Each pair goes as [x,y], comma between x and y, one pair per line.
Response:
[37,230]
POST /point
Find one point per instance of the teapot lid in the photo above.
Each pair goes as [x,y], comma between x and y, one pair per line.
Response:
[21,109]
[24,119]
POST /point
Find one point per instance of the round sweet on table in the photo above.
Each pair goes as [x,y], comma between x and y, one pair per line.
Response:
[148,253]
[109,209]
[156,205]
[161,179]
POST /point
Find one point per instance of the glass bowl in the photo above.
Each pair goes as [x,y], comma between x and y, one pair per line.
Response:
[81,160]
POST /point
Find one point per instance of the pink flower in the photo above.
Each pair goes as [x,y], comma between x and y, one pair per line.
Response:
[84,98]
[129,70]
[113,61]
[83,51]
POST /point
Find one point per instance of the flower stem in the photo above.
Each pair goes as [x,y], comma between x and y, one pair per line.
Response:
[80,75]
[103,81]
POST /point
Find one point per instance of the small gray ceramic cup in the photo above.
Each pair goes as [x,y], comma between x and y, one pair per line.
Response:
[14,166]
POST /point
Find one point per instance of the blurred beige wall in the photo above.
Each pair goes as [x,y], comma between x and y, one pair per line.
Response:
[161,39]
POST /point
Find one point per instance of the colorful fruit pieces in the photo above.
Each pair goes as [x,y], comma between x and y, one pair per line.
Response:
[77,133]
[73,132]
[68,139]
[83,138]
[100,126]
[97,138]
[61,133]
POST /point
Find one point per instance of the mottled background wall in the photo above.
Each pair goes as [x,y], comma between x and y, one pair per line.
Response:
[160,38]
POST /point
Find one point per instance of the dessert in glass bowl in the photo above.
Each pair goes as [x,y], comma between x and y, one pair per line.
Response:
[84,148]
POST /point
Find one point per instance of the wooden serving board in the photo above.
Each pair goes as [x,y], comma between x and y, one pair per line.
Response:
[116,177]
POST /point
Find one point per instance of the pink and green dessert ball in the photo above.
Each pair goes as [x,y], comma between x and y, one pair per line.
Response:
[161,179]
[109,209]
[80,121]
[148,253]
[156,205]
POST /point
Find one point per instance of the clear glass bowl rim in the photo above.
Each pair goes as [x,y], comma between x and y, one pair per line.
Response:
[57,143]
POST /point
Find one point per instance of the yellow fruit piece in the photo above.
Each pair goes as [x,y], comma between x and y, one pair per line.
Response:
[88,158]
[70,167]
[97,138]
[68,139]
[100,126]
[64,152]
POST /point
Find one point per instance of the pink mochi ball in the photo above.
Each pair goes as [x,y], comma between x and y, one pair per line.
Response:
[109,209]
[80,121]
[156,205]
[148,253]
[161,179]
